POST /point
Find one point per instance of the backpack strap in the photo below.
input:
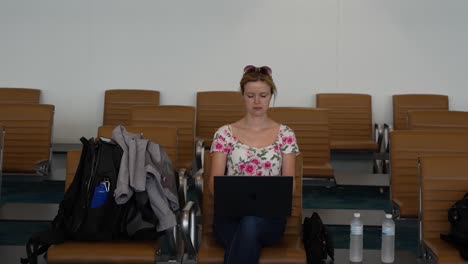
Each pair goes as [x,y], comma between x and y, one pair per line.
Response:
[33,250]
[39,243]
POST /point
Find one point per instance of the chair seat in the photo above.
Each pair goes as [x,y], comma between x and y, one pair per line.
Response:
[291,248]
[319,170]
[353,145]
[130,252]
[446,253]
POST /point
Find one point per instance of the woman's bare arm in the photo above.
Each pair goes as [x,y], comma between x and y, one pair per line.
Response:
[288,167]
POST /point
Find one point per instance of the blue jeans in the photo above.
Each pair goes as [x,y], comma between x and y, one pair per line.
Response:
[244,237]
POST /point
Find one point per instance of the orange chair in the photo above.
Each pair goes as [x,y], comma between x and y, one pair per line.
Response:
[443,181]
[28,138]
[117,104]
[402,103]
[290,250]
[215,109]
[84,252]
[406,146]
[19,95]
[350,121]
[313,137]
[121,251]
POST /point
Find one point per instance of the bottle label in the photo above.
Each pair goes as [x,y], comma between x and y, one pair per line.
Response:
[356,230]
[388,231]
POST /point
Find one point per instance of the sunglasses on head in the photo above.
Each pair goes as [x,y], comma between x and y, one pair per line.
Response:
[264,69]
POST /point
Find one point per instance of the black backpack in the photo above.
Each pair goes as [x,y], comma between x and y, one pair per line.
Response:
[80,217]
[318,242]
[458,218]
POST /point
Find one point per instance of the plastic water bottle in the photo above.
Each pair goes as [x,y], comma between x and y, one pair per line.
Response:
[355,240]
[388,240]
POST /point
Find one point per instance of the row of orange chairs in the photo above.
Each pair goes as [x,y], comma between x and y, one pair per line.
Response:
[350,119]
[344,123]
[408,148]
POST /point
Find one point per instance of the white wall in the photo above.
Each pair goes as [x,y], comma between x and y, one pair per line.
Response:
[74,50]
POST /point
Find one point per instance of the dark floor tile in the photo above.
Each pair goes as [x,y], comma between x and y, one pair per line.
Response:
[346,197]
[32,192]
[18,232]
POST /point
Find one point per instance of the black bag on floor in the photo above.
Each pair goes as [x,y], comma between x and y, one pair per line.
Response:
[88,211]
[318,242]
[458,218]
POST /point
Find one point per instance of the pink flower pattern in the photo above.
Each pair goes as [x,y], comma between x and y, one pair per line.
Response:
[250,161]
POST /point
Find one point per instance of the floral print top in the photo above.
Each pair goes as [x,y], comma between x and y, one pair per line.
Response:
[243,160]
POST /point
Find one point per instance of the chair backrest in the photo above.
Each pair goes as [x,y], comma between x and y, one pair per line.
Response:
[117,104]
[164,136]
[311,128]
[350,120]
[402,103]
[28,136]
[294,224]
[177,116]
[444,180]
[438,120]
[215,109]
[19,95]
[405,148]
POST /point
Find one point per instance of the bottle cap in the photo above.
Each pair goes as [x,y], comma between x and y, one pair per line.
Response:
[388,216]
[357,215]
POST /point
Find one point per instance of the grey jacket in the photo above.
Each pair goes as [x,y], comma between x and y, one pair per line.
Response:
[145,166]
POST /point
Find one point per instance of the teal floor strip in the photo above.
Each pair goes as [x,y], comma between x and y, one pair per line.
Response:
[32,192]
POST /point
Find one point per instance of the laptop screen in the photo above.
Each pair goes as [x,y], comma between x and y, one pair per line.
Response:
[266,196]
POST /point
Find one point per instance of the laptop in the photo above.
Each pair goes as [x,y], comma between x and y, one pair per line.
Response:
[265,196]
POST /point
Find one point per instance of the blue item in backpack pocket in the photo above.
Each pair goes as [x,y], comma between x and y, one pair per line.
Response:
[100,194]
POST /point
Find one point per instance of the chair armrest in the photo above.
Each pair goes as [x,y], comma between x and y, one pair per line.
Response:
[199,154]
[426,254]
[43,168]
[386,136]
[378,136]
[395,210]
[170,245]
[189,228]
[198,182]
[380,158]
[181,239]
[183,186]
[377,166]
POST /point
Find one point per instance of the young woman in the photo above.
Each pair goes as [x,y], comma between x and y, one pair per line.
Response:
[253,146]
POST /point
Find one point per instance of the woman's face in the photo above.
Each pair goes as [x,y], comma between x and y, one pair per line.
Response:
[257,96]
